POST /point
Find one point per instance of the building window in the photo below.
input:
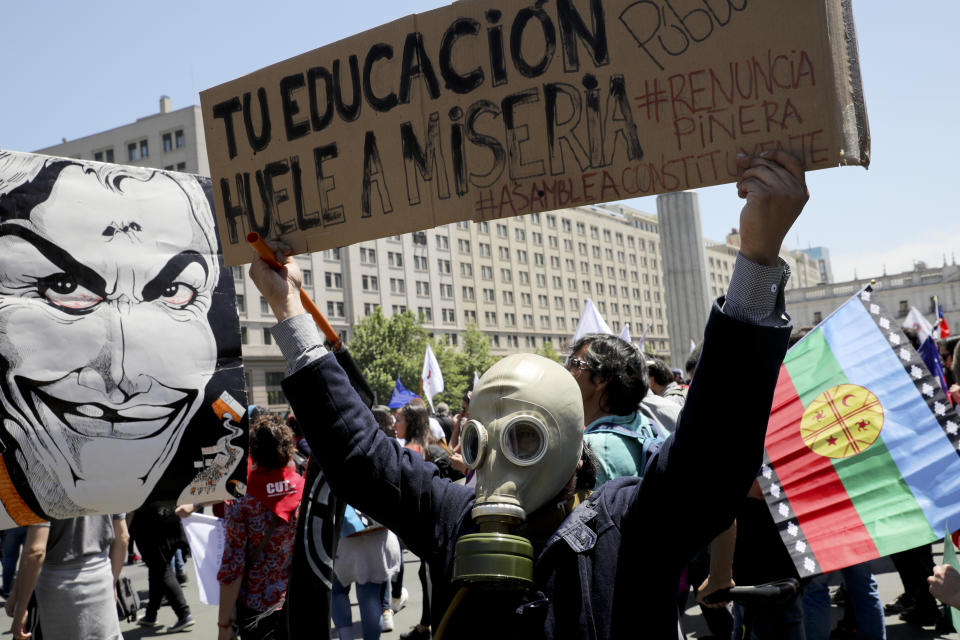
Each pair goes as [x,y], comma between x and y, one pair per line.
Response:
[267,336]
[817,317]
[307,277]
[370,283]
[333,280]
[423,288]
[470,316]
[368,308]
[144,149]
[241,303]
[443,265]
[446,291]
[334,309]
[331,254]
[132,152]
[398,285]
[448,316]
[368,256]
[394,259]
[466,269]
[425,314]
[443,242]
[399,308]
[178,135]
[420,263]
[181,166]
[274,390]
[167,142]
[243,335]
[264,307]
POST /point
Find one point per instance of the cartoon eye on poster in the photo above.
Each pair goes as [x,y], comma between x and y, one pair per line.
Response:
[121,379]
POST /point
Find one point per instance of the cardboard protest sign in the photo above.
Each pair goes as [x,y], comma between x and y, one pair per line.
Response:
[481,110]
[121,380]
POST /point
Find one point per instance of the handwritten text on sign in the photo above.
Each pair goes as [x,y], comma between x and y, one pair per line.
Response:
[481,110]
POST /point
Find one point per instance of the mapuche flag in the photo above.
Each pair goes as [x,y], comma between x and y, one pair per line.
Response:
[861,456]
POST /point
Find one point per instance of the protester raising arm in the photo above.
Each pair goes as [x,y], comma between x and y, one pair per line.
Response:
[365,468]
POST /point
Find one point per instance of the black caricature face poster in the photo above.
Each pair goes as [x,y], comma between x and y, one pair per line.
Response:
[121,379]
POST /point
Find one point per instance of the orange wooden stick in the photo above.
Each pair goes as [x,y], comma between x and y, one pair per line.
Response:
[268,256]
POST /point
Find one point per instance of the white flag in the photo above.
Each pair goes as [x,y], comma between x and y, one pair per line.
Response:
[430,376]
[918,323]
[643,337]
[625,333]
[476,378]
[205,534]
[590,322]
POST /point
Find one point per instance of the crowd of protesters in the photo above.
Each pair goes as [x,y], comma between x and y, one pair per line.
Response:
[589,500]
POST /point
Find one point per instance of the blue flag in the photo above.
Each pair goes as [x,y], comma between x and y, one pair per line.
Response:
[930,355]
[400,396]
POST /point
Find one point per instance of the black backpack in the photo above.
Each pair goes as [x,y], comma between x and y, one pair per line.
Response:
[128,602]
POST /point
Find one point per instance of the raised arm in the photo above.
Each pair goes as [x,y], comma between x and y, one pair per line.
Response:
[364,467]
[716,451]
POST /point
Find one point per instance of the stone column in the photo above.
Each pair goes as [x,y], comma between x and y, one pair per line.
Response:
[684,271]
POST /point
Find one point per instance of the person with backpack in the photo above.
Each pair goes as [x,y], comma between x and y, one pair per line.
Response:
[612,377]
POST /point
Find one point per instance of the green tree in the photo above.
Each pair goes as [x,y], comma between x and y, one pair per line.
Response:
[385,348]
[476,351]
[547,351]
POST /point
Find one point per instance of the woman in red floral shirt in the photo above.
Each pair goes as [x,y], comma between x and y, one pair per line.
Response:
[260,529]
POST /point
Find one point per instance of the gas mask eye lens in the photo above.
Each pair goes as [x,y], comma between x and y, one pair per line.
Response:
[524,440]
[474,443]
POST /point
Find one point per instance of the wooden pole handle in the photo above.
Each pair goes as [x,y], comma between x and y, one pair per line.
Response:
[267,255]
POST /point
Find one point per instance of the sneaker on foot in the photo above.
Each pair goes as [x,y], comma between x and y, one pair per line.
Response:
[386,622]
[182,624]
[416,633]
[399,603]
[147,621]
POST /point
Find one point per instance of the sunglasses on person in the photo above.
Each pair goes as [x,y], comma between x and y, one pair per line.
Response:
[576,363]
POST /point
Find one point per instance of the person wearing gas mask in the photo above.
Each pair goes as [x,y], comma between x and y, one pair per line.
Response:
[526,554]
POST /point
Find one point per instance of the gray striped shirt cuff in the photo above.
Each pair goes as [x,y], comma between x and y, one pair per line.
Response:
[299,341]
[755,294]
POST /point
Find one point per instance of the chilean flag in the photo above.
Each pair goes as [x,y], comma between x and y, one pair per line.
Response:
[942,325]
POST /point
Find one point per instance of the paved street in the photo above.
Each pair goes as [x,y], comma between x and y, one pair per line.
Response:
[206,615]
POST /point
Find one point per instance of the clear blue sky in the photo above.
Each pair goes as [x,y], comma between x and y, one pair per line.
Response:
[73,69]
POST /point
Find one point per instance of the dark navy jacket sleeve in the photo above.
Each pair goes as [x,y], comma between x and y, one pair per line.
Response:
[370,470]
[702,474]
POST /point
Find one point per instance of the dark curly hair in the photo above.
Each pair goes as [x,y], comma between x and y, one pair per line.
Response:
[271,442]
[619,362]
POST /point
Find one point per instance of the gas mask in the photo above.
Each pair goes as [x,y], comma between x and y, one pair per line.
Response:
[524,440]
